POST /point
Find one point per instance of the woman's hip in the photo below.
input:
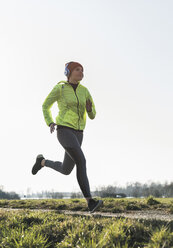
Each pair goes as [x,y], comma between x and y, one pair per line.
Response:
[69,137]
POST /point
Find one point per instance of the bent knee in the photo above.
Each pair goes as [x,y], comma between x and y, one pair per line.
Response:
[67,172]
[76,154]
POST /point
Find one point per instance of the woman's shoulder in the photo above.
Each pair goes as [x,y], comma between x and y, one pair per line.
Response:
[61,83]
[83,86]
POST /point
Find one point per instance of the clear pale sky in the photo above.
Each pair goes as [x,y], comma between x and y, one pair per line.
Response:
[126,50]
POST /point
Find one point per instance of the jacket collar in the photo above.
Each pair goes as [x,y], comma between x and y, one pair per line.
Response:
[66,82]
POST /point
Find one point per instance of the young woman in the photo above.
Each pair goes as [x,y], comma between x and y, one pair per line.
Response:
[73,100]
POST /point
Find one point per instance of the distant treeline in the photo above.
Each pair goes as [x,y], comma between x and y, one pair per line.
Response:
[135,189]
[8,195]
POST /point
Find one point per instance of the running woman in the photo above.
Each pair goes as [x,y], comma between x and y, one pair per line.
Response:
[73,100]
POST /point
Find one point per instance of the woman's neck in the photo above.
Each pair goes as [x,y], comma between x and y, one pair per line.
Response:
[73,81]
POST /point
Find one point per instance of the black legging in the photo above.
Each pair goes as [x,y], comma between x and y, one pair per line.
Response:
[71,140]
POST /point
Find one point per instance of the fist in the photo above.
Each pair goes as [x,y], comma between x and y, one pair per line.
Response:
[52,127]
[88,105]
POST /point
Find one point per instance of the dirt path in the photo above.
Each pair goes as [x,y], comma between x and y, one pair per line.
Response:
[142,214]
[151,214]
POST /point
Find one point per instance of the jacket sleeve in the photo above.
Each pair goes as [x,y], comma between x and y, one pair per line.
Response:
[92,113]
[48,102]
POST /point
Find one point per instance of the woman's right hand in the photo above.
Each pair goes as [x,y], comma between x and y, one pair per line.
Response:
[52,127]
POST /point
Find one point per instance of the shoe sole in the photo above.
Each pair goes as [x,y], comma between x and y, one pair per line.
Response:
[97,206]
[38,156]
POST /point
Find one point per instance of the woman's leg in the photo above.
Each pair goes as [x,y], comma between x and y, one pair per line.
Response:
[71,140]
[77,154]
[68,163]
[64,167]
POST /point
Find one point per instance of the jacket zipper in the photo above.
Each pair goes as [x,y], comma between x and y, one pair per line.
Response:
[77,105]
[78,110]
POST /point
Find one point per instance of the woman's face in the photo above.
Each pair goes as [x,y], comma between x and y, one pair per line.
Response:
[77,74]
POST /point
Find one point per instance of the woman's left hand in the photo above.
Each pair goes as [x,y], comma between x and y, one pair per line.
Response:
[89,105]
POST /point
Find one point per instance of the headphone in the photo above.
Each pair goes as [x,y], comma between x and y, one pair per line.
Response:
[66,72]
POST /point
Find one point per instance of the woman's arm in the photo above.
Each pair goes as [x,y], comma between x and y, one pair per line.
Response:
[92,112]
[49,101]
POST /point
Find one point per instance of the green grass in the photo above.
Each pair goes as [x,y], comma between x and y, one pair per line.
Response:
[112,205]
[51,229]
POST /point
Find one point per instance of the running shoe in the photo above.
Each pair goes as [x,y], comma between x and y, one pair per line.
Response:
[93,204]
[37,166]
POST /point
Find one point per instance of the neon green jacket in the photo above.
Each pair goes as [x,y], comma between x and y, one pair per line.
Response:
[71,104]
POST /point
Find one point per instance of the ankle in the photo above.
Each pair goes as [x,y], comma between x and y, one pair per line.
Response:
[43,162]
[88,198]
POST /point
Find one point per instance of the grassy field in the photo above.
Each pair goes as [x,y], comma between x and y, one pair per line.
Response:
[29,229]
[113,205]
